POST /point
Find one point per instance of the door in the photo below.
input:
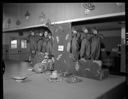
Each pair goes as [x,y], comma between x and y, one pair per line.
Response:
[18,49]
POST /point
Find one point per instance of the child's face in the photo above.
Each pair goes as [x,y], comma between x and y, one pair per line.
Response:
[32,33]
[85,30]
[94,31]
[45,33]
[40,34]
[50,36]
[74,32]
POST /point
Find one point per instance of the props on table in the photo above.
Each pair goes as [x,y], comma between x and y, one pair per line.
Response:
[73,79]
[46,55]
[54,77]
[21,78]
[65,74]
[39,68]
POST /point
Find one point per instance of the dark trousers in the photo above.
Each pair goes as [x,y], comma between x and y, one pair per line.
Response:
[49,47]
[90,48]
[33,43]
[95,48]
[45,46]
[85,49]
[75,48]
[40,45]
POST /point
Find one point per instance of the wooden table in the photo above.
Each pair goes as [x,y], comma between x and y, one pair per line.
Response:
[38,87]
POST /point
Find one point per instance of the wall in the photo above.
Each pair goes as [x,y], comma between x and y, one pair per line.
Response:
[54,11]
[111,38]
[7,36]
[111,42]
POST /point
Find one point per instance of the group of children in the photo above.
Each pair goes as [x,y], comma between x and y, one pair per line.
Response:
[85,43]
[41,45]
[40,42]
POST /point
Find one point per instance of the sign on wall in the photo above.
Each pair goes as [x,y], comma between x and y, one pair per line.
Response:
[60,48]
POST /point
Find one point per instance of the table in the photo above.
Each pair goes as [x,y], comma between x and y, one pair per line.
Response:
[38,87]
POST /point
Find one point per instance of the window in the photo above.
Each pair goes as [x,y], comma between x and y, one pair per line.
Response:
[23,43]
[13,44]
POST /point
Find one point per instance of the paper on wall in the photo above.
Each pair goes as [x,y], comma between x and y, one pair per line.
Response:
[60,48]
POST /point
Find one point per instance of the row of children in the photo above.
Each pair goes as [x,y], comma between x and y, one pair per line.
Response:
[85,43]
[40,42]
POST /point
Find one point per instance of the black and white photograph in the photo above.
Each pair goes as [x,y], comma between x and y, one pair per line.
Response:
[64,50]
